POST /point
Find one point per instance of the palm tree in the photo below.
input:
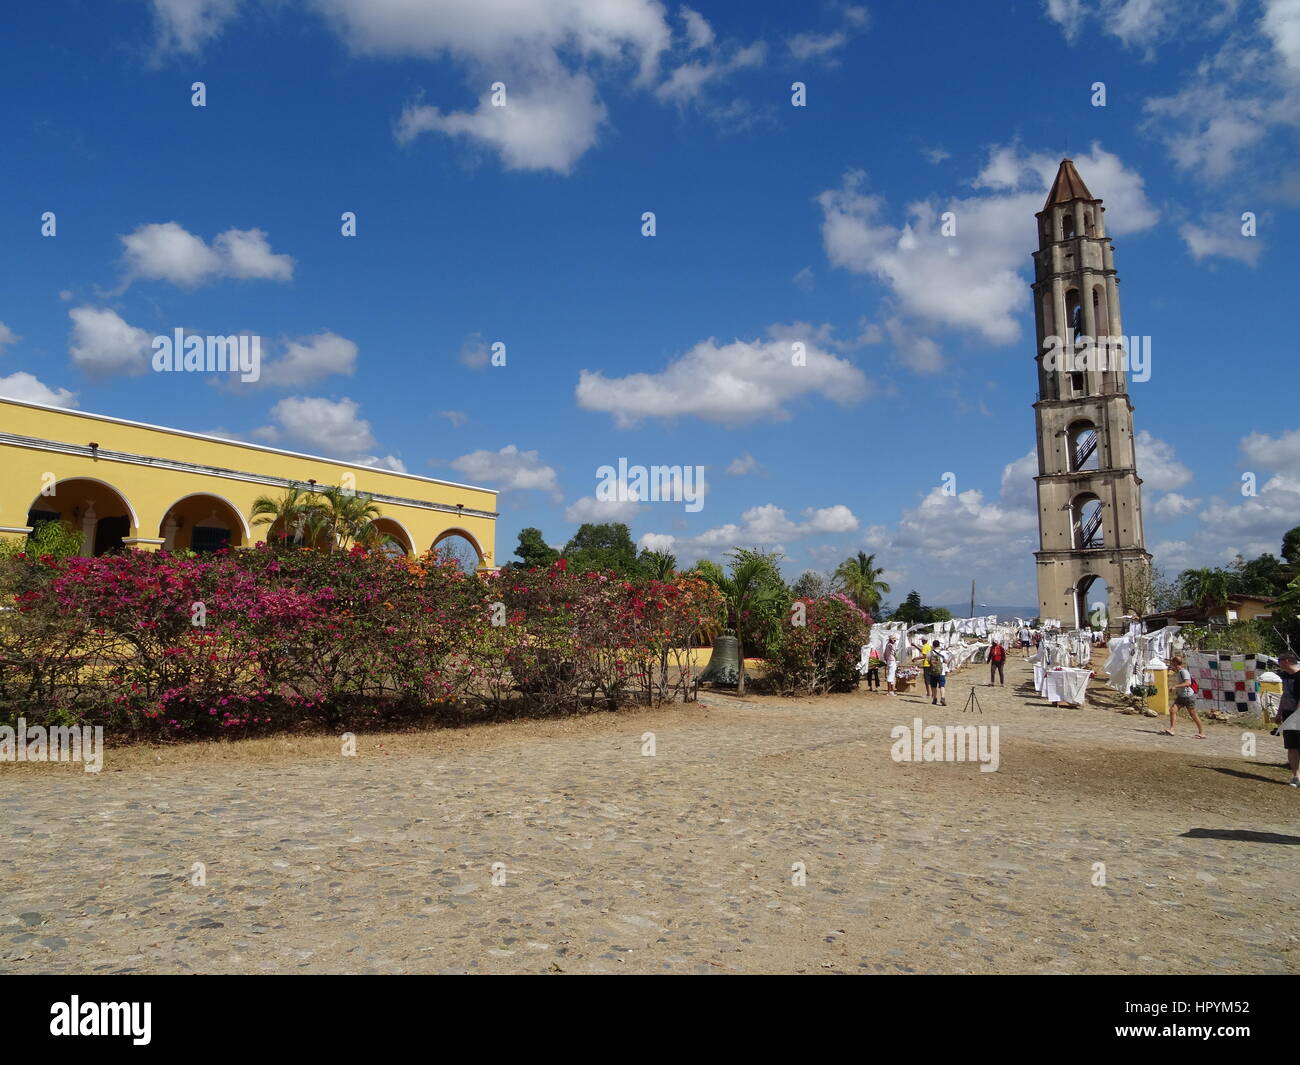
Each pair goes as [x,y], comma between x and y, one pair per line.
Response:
[859,579]
[294,513]
[753,586]
[1205,588]
[661,565]
[346,517]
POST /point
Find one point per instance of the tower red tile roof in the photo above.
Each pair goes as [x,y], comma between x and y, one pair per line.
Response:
[1067,186]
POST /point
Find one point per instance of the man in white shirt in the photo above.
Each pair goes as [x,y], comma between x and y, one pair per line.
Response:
[891,664]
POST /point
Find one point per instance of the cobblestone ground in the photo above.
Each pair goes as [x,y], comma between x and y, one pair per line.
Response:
[681,862]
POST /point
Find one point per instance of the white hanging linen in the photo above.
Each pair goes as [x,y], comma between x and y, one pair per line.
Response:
[1066,686]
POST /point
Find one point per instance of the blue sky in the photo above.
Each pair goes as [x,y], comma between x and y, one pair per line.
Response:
[522,225]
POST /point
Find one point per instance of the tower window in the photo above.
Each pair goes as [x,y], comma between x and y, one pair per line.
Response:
[1076,383]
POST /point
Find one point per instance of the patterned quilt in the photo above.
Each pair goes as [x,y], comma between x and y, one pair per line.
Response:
[1228,682]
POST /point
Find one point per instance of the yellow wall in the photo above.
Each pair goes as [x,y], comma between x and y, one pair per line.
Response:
[144,472]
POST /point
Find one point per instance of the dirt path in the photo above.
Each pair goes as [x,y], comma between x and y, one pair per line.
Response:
[619,862]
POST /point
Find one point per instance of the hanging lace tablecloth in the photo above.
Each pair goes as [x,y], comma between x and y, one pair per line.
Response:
[1066,685]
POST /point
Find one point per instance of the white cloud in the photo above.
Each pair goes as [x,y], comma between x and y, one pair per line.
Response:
[186,25]
[103,343]
[1138,23]
[1272,453]
[456,417]
[7,336]
[546,52]
[699,34]
[657,542]
[545,127]
[310,359]
[591,509]
[1159,469]
[687,81]
[245,254]
[1017,488]
[1174,505]
[1221,236]
[1068,14]
[26,388]
[811,45]
[509,470]
[166,251]
[1282,24]
[326,427]
[744,381]
[765,526]
[1206,129]
[971,281]
[1235,115]
[744,464]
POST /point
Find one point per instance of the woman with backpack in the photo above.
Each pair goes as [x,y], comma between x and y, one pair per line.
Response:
[997,658]
[1183,690]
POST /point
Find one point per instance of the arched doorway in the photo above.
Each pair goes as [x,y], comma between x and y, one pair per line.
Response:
[1092,603]
[458,546]
[397,540]
[99,511]
[202,522]
[1086,521]
[1081,438]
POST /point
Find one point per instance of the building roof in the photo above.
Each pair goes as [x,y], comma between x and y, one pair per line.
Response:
[233,442]
[1067,186]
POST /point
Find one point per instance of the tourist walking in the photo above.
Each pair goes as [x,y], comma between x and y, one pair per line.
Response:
[1288,712]
[1026,637]
[891,664]
[997,659]
[938,675]
[1183,694]
[873,670]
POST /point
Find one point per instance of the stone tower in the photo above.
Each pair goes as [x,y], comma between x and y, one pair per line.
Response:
[1089,495]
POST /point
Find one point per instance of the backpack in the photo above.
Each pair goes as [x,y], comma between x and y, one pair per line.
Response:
[999,653]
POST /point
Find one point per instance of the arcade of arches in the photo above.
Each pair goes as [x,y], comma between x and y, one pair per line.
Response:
[128,485]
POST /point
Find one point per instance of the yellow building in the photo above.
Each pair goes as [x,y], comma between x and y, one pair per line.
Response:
[128,484]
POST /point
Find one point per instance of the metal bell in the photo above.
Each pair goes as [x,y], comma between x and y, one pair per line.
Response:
[724,664]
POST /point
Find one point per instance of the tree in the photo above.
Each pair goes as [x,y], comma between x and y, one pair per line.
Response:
[911,611]
[293,516]
[810,585]
[346,518]
[756,598]
[1291,546]
[1205,589]
[602,547]
[1265,575]
[661,565]
[57,538]
[859,579]
[534,550]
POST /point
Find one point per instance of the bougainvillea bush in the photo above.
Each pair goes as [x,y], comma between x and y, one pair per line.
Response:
[236,642]
[820,647]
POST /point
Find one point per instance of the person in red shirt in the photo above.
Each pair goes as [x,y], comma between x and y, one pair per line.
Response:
[997,658]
